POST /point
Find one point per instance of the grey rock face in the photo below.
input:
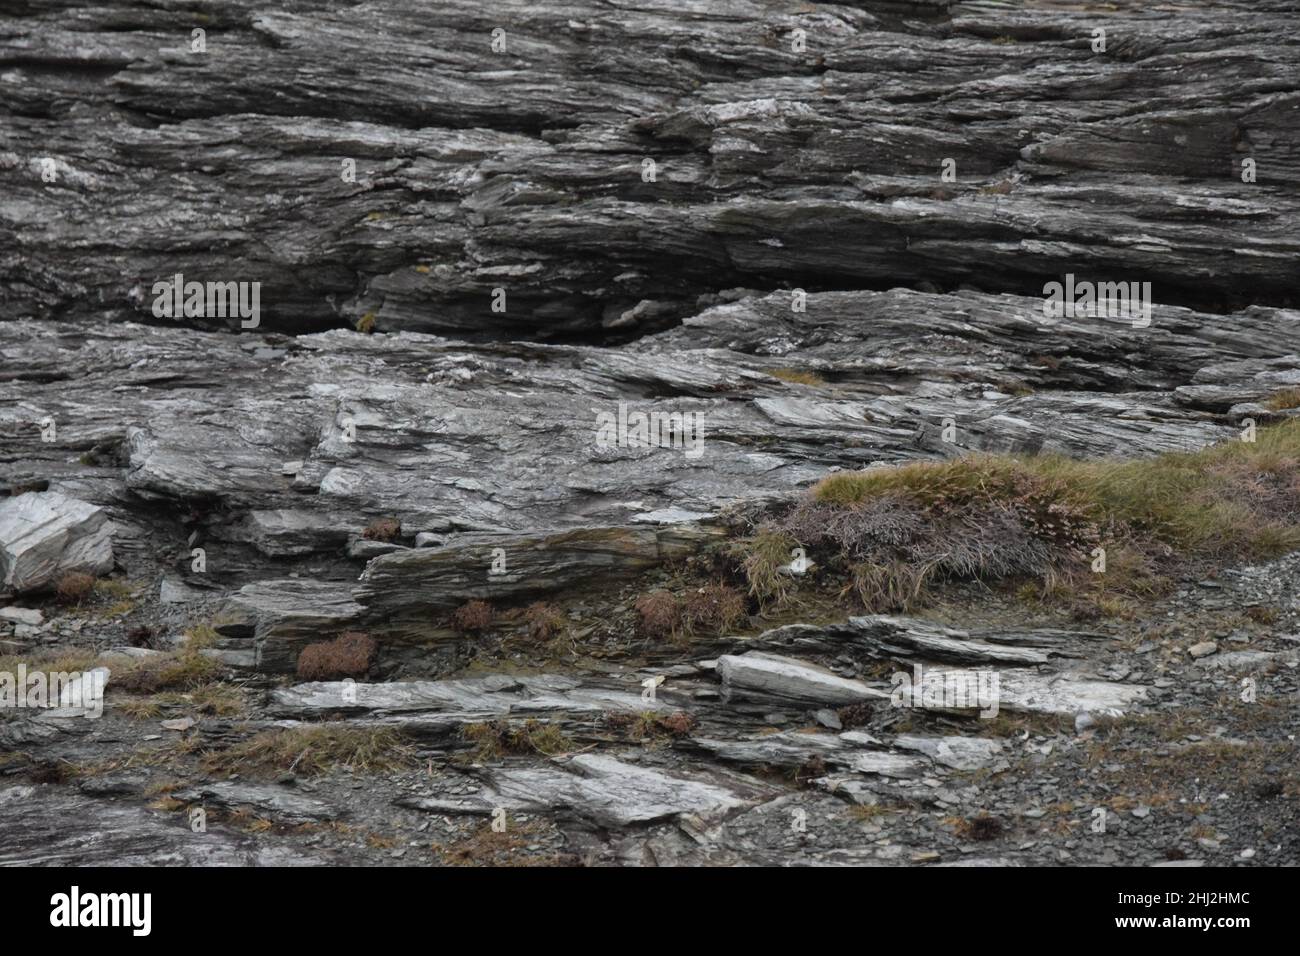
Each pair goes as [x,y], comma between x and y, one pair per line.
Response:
[523,167]
[46,534]
[511,451]
[736,213]
[515,567]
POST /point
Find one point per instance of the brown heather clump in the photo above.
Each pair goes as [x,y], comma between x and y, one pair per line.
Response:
[714,607]
[383,529]
[659,613]
[349,655]
[1238,499]
[855,715]
[982,827]
[545,621]
[893,547]
[472,618]
[678,724]
[73,587]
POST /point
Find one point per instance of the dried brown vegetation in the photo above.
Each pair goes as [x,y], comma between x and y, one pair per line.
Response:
[659,614]
[74,587]
[383,529]
[650,725]
[349,655]
[545,621]
[313,749]
[494,739]
[473,617]
[714,607]
[185,670]
[892,533]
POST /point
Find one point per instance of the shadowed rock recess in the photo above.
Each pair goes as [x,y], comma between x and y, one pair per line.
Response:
[486,244]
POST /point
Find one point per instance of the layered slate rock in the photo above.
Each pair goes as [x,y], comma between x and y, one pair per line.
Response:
[272,453]
[515,567]
[268,800]
[507,150]
[1012,674]
[854,751]
[548,214]
[66,828]
[463,700]
[960,753]
[603,790]
[266,625]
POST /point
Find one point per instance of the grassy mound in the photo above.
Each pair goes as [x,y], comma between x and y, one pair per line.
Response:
[1112,527]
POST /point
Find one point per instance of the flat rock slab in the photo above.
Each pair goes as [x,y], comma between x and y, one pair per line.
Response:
[960,753]
[515,567]
[854,750]
[1245,662]
[1046,693]
[602,790]
[276,803]
[46,534]
[909,637]
[284,532]
[468,698]
[22,615]
[759,674]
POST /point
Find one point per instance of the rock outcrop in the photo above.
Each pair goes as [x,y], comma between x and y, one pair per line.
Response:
[517,321]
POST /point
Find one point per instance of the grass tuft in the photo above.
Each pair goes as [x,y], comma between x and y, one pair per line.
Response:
[184,670]
[897,530]
[495,739]
[313,749]
[1284,400]
[761,558]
